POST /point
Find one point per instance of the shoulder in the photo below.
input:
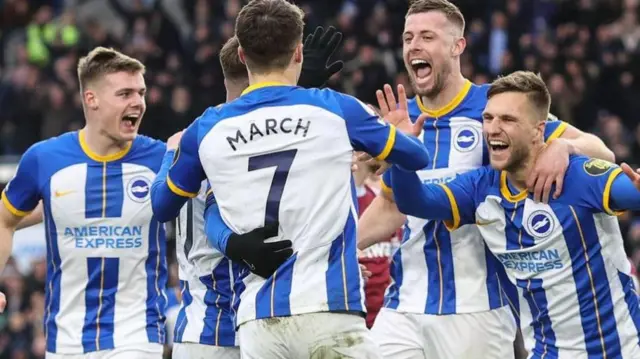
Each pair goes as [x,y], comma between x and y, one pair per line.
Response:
[147,152]
[475,102]
[581,165]
[148,145]
[55,147]
[484,176]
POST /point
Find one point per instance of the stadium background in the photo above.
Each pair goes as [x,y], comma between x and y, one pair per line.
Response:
[586,50]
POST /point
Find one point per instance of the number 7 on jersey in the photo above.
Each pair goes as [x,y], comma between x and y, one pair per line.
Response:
[282,162]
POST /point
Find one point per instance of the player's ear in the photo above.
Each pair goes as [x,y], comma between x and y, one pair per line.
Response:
[241,55]
[90,99]
[458,46]
[540,129]
[297,54]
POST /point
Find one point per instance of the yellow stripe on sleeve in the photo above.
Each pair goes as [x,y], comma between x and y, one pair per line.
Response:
[455,224]
[391,140]
[16,212]
[606,195]
[558,132]
[179,191]
[385,188]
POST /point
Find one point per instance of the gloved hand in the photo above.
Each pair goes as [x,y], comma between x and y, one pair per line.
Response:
[262,258]
[317,49]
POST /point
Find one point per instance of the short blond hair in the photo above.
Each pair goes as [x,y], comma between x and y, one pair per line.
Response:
[232,68]
[102,61]
[525,82]
[450,10]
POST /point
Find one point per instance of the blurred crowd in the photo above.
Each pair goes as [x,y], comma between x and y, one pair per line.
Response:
[587,51]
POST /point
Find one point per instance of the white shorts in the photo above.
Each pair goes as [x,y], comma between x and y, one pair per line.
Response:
[486,335]
[307,336]
[203,351]
[143,351]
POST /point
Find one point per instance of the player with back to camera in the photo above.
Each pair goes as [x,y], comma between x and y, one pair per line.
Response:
[105,249]
[205,324]
[567,259]
[445,282]
[263,155]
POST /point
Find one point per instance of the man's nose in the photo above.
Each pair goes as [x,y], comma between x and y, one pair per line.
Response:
[491,127]
[137,100]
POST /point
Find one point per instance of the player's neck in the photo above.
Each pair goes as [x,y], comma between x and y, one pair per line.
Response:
[286,78]
[453,85]
[518,177]
[100,144]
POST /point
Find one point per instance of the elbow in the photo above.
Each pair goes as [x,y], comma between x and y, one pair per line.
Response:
[158,206]
[158,211]
[403,206]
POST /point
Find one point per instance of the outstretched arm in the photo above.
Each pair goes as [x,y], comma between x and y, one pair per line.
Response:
[417,199]
[452,203]
[179,177]
[369,133]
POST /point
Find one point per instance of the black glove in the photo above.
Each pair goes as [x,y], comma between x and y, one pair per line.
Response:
[318,48]
[262,258]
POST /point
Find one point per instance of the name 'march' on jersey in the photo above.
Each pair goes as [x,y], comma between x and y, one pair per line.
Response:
[106,257]
[436,271]
[567,259]
[283,154]
[206,281]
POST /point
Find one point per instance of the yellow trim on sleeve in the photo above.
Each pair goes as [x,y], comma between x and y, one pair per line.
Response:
[260,85]
[385,187]
[448,107]
[557,132]
[209,192]
[175,189]
[455,224]
[99,158]
[16,212]
[606,194]
[391,140]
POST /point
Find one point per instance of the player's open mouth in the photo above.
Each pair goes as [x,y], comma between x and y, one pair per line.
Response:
[498,146]
[130,120]
[421,68]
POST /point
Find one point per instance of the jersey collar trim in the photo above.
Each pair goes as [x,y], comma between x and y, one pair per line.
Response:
[455,102]
[99,158]
[506,192]
[260,85]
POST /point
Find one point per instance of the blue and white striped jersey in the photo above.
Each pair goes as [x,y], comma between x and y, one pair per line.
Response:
[106,253]
[283,154]
[206,280]
[567,259]
[436,271]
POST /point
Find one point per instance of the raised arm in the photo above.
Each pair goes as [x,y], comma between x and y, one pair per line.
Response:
[179,177]
[369,133]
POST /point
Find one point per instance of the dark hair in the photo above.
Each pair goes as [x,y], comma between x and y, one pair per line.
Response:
[232,68]
[268,32]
